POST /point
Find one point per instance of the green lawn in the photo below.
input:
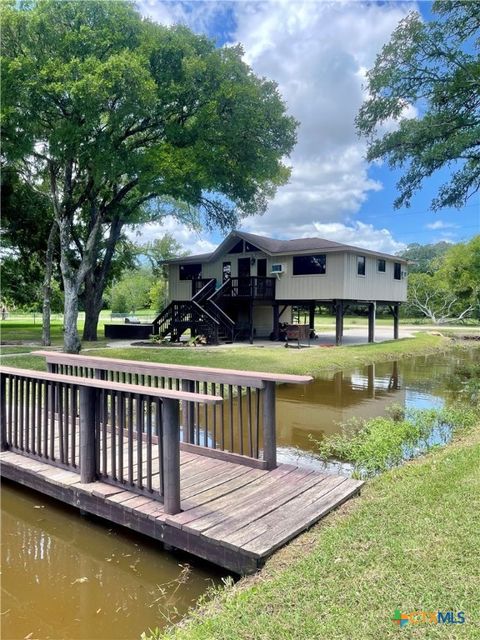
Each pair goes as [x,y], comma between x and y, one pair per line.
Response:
[276,359]
[410,542]
[20,330]
[7,350]
[311,361]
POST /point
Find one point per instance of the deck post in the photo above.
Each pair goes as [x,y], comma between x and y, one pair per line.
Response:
[3,413]
[188,413]
[371,322]
[311,318]
[171,456]
[338,322]
[395,312]
[276,321]
[53,368]
[88,415]
[269,426]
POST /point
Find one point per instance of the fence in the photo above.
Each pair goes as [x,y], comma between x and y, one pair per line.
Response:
[242,428]
[127,435]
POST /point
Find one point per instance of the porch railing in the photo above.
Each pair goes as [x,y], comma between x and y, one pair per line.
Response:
[242,428]
[258,288]
[123,434]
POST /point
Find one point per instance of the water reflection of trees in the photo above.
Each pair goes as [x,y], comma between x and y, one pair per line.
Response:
[366,392]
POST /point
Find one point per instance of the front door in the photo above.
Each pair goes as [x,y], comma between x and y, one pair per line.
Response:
[244,276]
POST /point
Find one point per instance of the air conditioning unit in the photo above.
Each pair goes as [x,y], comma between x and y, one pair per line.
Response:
[278,268]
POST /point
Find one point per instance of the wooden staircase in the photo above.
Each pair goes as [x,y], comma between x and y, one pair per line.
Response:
[201,314]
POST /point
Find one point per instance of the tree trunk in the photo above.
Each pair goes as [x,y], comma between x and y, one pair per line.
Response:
[96,281]
[71,341]
[93,300]
[71,287]
[47,286]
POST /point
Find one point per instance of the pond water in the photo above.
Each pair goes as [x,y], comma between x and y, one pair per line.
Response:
[66,576]
[310,412]
[69,577]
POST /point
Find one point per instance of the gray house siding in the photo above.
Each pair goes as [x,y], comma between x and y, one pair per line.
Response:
[341,280]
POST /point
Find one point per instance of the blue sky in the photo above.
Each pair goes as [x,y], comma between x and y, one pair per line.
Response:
[318,53]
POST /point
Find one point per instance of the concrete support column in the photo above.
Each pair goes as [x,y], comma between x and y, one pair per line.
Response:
[250,321]
[311,316]
[396,313]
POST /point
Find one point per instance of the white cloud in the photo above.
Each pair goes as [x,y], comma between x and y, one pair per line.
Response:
[360,234]
[191,240]
[440,224]
[199,16]
[355,233]
[318,53]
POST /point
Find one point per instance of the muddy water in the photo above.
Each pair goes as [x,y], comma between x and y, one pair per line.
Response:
[317,409]
[67,577]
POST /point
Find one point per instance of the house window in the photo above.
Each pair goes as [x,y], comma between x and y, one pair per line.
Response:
[397,271]
[250,247]
[237,248]
[309,265]
[360,265]
[190,271]
[381,266]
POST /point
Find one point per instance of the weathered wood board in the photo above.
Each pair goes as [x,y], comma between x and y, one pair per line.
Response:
[232,515]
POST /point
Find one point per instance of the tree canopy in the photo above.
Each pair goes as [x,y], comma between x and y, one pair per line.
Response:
[448,290]
[433,67]
[106,112]
[424,256]
[26,221]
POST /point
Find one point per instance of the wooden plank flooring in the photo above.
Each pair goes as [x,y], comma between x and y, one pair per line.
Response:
[232,515]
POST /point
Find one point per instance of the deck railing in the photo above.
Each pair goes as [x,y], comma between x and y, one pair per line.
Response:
[122,434]
[242,428]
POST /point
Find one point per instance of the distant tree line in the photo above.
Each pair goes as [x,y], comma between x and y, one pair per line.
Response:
[444,281]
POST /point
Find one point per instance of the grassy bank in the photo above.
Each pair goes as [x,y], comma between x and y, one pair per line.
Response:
[313,361]
[378,444]
[410,542]
[276,359]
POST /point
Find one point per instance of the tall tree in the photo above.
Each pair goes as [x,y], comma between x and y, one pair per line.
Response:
[433,66]
[114,254]
[29,247]
[112,111]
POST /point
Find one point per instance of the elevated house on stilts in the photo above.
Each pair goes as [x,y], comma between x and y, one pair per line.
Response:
[247,288]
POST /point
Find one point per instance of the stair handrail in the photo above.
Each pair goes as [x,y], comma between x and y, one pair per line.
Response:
[204,291]
[204,311]
[159,319]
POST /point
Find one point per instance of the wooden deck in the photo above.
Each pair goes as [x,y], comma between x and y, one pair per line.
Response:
[232,515]
[149,450]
